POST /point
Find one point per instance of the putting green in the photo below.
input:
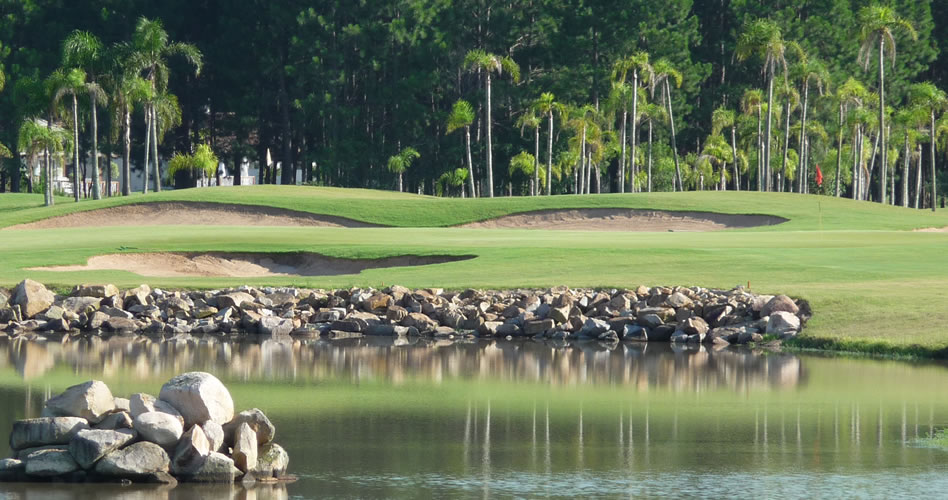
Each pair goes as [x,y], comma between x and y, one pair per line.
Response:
[872,282]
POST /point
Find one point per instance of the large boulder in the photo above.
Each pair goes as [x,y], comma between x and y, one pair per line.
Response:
[234,300]
[32,297]
[90,400]
[215,435]
[191,451]
[115,421]
[216,468]
[694,326]
[143,403]
[272,461]
[159,428]
[257,421]
[99,291]
[783,323]
[139,459]
[50,463]
[80,305]
[777,304]
[44,431]
[199,397]
[137,295]
[245,448]
[274,325]
[90,445]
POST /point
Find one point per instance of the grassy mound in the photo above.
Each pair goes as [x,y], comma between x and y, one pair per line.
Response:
[874,285]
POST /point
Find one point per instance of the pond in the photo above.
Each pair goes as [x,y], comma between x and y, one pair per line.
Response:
[422,418]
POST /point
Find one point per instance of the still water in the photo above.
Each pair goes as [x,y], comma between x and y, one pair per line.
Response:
[374,418]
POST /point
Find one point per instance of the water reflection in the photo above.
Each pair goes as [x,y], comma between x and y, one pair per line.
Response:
[52,491]
[639,366]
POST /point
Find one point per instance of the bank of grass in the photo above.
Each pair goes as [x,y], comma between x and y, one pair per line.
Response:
[388,208]
[873,289]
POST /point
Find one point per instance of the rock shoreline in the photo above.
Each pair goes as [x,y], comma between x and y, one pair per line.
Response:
[189,433]
[643,314]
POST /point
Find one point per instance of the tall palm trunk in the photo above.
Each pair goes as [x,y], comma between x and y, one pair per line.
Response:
[154,148]
[649,174]
[635,115]
[905,173]
[126,151]
[47,166]
[856,175]
[625,118]
[839,149]
[786,145]
[535,190]
[767,139]
[470,165]
[147,149]
[918,178]
[671,120]
[582,163]
[549,157]
[75,147]
[760,151]
[882,150]
[801,169]
[737,175]
[864,194]
[400,182]
[933,159]
[96,190]
[490,144]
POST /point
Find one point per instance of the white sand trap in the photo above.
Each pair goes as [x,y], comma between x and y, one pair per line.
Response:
[191,213]
[933,230]
[245,265]
[616,219]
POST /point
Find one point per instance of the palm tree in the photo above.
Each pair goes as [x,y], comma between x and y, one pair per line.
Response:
[166,115]
[620,97]
[400,162]
[849,94]
[34,139]
[149,57]
[452,178]
[764,38]
[808,71]
[722,118]
[70,83]
[909,121]
[752,103]
[545,106]
[526,164]
[663,72]
[638,64]
[929,97]
[529,119]
[462,115]
[651,112]
[878,25]
[791,102]
[83,50]
[477,61]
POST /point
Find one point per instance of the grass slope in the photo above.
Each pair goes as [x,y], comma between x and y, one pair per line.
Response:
[872,288]
[806,213]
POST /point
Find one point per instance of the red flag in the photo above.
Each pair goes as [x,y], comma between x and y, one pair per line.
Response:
[819,176]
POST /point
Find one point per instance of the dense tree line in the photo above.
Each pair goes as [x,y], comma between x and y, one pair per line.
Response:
[483,98]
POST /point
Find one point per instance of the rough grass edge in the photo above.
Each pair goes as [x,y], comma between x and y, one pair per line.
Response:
[867,348]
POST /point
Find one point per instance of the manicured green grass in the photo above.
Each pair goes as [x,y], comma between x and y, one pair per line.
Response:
[871,288]
[806,213]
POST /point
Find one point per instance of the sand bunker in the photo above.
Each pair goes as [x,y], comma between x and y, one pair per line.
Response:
[191,213]
[245,265]
[933,230]
[615,219]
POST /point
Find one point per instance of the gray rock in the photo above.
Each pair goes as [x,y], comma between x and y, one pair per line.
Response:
[783,323]
[216,468]
[122,404]
[559,314]
[199,397]
[80,305]
[96,320]
[137,460]
[694,326]
[50,463]
[137,295]
[90,400]
[143,403]
[272,462]
[273,325]
[45,431]
[54,313]
[25,452]
[159,428]
[387,330]
[538,326]
[116,421]
[234,300]
[749,336]
[677,300]
[215,435]
[245,448]
[257,421]
[191,451]
[88,446]
[593,328]
[650,320]
[32,297]
[489,328]
[635,332]
[679,336]
[99,291]
[509,329]
[121,324]
[777,304]
[10,469]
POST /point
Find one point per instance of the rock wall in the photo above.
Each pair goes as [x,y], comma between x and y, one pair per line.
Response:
[664,314]
[189,433]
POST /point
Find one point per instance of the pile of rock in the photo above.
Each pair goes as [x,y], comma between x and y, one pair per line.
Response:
[189,433]
[675,314]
